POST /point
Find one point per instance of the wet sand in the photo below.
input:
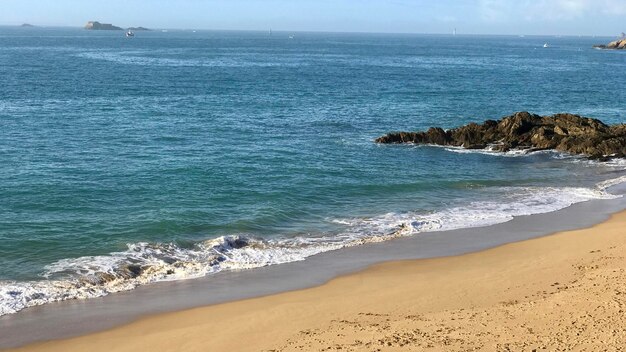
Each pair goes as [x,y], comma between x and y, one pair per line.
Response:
[565,291]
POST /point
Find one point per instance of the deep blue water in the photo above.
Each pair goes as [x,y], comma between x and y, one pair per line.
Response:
[166,140]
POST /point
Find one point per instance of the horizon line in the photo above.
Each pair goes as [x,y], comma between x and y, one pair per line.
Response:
[311,31]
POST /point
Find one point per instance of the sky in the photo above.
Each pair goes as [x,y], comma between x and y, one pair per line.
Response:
[555,17]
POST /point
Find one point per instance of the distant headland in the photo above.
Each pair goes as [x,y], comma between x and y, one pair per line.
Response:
[27,25]
[619,44]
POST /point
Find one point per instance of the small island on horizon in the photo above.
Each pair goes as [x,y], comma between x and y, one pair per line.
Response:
[98,26]
[138,29]
[27,25]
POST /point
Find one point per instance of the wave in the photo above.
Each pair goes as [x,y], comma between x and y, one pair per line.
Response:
[145,263]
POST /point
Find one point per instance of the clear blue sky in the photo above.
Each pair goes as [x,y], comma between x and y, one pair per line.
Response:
[586,17]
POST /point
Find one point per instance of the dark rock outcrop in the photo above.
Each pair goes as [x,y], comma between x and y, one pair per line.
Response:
[617,44]
[563,132]
[97,26]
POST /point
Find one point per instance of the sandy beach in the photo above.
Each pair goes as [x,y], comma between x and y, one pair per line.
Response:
[566,291]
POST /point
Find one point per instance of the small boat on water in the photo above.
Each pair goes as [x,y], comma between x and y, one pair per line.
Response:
[130,33]
[546,45]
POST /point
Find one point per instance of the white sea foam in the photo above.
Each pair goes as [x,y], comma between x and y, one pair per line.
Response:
[144,263]
[490,150]
[604,185]
[519,201]
[619,163]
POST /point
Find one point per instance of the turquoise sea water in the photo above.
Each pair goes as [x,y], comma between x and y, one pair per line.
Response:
[125,161]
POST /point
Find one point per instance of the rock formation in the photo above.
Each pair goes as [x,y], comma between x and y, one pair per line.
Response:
[97,26]
[137,29]
[617,44]
[563,132]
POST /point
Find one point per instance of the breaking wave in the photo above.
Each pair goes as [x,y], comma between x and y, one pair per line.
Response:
[144,263]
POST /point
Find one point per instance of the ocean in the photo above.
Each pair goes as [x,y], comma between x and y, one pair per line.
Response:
[179,154]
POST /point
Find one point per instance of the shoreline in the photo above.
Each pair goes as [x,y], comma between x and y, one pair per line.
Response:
[453,302]
[74,318]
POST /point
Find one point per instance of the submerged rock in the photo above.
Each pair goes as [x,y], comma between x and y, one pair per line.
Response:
[131,271]
[563,132]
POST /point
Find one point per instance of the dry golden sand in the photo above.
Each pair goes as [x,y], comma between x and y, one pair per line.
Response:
[562,292]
